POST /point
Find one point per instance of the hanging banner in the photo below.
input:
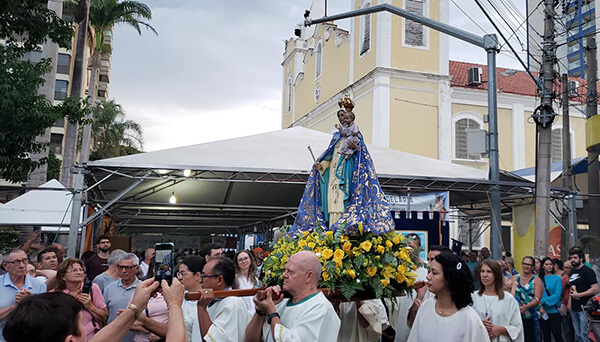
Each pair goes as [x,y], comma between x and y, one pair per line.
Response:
[432,201]
[524,234]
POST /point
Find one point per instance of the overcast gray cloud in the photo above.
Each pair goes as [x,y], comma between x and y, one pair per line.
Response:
[214,70]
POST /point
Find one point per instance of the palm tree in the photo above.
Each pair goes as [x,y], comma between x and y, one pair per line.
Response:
[104,14]
[111,131]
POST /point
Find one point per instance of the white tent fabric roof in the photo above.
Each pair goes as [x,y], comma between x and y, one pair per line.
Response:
[39,207]
[283,151]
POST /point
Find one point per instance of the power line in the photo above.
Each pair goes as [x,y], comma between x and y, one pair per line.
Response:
[465,13]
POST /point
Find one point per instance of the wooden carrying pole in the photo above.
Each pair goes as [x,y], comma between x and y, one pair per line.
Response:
[331,295]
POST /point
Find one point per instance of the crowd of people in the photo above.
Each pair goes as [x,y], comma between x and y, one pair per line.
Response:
[112,296]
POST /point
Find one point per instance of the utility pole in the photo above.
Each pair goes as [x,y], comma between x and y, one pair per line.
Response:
[567,176]
[79,70]
[544,116]
[592,157]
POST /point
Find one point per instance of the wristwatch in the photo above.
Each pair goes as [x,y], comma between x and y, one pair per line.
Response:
[135,310]
[271,316]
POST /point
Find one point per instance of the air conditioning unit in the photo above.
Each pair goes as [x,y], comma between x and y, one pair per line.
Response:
[474,76]
[572,88]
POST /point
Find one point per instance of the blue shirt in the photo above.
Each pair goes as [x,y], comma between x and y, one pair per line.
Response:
[8,292]
[117,297]
[552,293]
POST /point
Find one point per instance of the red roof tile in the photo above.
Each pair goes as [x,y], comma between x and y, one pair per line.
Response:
[519,83]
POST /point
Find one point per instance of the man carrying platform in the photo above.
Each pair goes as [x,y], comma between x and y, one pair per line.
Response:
[307,316]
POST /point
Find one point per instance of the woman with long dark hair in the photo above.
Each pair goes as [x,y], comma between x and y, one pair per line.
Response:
[449,316]
[497,308]
[527,290]
[551,320]
[245,275]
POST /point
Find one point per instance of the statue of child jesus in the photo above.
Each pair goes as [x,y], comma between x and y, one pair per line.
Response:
[348,130]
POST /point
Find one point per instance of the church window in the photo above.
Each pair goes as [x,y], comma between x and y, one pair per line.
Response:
[415,34]
[460,138]
[288,96]
[365,31]
[318,59]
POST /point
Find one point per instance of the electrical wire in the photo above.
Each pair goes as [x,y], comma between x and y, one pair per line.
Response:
[465,13]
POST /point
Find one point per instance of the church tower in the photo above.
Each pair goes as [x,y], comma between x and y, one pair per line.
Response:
[394,69]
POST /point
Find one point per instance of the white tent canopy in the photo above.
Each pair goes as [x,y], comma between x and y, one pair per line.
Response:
[283,151]
[50,207]
[241,183]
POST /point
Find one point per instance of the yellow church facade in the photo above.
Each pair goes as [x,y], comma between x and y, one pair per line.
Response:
[409,96]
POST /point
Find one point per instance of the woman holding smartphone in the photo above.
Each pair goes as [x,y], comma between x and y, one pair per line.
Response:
[70,279]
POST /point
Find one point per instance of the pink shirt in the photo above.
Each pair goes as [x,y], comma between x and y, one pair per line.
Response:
[98,301]
[156,310]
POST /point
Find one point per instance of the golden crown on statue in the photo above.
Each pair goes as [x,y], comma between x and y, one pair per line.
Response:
[346,103]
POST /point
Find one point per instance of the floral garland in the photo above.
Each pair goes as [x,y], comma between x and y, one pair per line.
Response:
[364,264]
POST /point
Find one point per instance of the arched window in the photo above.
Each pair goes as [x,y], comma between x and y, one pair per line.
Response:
[460,137]
[318,59]
[288,96]
[365,31]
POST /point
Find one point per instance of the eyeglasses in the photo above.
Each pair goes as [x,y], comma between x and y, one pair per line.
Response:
[525,264]
[121,267]
[202,276]
[76,270]
[20,261]
[183,273]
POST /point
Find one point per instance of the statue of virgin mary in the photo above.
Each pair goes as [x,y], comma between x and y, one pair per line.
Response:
[342,191]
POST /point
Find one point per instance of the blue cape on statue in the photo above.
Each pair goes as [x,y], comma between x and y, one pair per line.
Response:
[364,200]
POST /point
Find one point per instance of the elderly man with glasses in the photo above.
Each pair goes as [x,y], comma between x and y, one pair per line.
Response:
[15,285]
[118,294]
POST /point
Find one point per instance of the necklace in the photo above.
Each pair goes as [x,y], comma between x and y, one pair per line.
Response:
[486,305]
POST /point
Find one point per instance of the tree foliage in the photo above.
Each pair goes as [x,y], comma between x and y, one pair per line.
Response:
[113,135]
[25,114]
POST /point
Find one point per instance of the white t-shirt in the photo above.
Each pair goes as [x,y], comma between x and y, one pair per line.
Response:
[503,312]
[310,320]
[463,326]
[144,268]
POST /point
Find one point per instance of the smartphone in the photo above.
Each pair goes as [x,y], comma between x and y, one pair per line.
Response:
[87,287]
[164,264]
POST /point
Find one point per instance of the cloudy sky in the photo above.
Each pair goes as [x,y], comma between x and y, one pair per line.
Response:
[214,70]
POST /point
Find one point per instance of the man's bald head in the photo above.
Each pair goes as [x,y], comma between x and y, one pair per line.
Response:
[308,261]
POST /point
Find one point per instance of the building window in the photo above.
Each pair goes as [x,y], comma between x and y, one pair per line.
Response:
[365,31]
[288,96]
[103,78]
[557,144]
[63,64]
[60,90]
[415,33]
[101,93]
[460,138]
[318,59]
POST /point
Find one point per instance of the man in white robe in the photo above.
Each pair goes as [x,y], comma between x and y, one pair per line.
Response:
[221,320]
[362,321]
[307,316]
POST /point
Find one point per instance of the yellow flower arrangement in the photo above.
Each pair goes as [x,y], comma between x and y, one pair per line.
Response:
[372,265]
[366,246]
[327,253]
